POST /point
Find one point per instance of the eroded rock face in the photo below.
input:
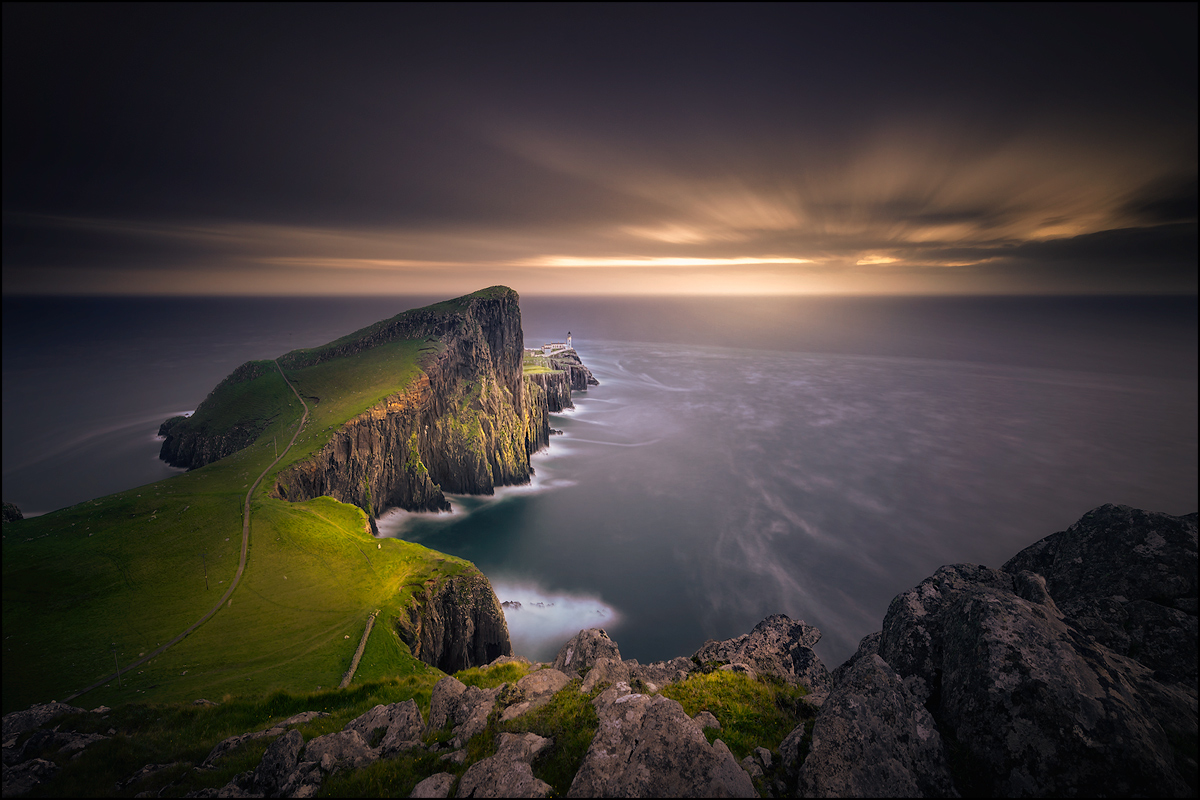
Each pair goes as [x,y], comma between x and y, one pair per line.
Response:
[434,786]
[399,726]
[584,650]
[534,691]
[37,715]
[1033,705]
[874,738]
[647,746]
[340,750]
[777,646]
[456,624]
[465,708]
[1127,578]
[507,773]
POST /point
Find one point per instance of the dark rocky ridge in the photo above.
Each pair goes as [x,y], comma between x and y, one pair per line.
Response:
[1071,680]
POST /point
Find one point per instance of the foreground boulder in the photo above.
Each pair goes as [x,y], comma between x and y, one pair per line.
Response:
[1128,579]
[397,726]
[583,651]
[534,691]
[647,746]
[1029,701]
[874,738]
[778,646]
[507,773]
[464,708]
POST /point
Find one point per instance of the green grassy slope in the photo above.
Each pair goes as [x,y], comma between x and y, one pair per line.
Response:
[129,569]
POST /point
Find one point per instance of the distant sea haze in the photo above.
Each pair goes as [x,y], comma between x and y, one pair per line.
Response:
[741,457]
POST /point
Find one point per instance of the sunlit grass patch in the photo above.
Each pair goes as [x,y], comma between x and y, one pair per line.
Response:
[753,712]
[571,721]
[486,677]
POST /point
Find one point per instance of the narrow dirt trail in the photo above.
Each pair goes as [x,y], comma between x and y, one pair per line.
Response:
[241,563]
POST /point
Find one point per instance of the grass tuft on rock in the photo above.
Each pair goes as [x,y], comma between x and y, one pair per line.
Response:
[753,712]
[487,677]
[570,720]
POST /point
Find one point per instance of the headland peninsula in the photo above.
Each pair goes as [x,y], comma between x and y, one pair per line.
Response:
[346,664]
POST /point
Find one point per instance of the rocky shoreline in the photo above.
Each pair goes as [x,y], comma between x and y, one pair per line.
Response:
[1069,671]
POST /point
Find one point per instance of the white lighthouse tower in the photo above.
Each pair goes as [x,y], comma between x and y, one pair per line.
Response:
[569,340]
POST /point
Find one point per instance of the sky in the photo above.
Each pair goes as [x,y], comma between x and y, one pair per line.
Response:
[599,149]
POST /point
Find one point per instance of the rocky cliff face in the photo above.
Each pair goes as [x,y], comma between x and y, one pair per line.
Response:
[195,441]
[468,426]
[456,624]
[1068,672]
[578,376]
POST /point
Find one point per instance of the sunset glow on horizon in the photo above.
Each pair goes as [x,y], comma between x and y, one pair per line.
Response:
[404,150]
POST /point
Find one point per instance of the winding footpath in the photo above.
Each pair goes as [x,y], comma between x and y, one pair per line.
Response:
[241,564]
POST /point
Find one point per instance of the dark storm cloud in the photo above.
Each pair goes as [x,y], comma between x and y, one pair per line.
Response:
[330,140]
[1167,201]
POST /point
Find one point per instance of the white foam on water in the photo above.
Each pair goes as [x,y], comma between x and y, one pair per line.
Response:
[544,621]
[395,521]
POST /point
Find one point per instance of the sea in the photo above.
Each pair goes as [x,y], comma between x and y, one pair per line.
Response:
[741,456]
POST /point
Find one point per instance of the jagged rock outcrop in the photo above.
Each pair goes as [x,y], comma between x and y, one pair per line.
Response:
[23,765]
[777,646]
[647,746]
[464,708]
[874,738]
[455,624]
[1068,672]
[35,716]
[1127,578]
[232,743]
[398,726]
[584,649]
[534,691]
[507,773]
[579,377]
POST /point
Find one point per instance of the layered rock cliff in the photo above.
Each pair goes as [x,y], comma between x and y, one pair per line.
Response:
[563,373]
[456,624]
[467,425]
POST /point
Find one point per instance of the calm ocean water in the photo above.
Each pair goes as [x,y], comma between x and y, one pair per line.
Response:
[740,457]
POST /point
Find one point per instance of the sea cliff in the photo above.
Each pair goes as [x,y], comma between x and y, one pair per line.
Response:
[467,424]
